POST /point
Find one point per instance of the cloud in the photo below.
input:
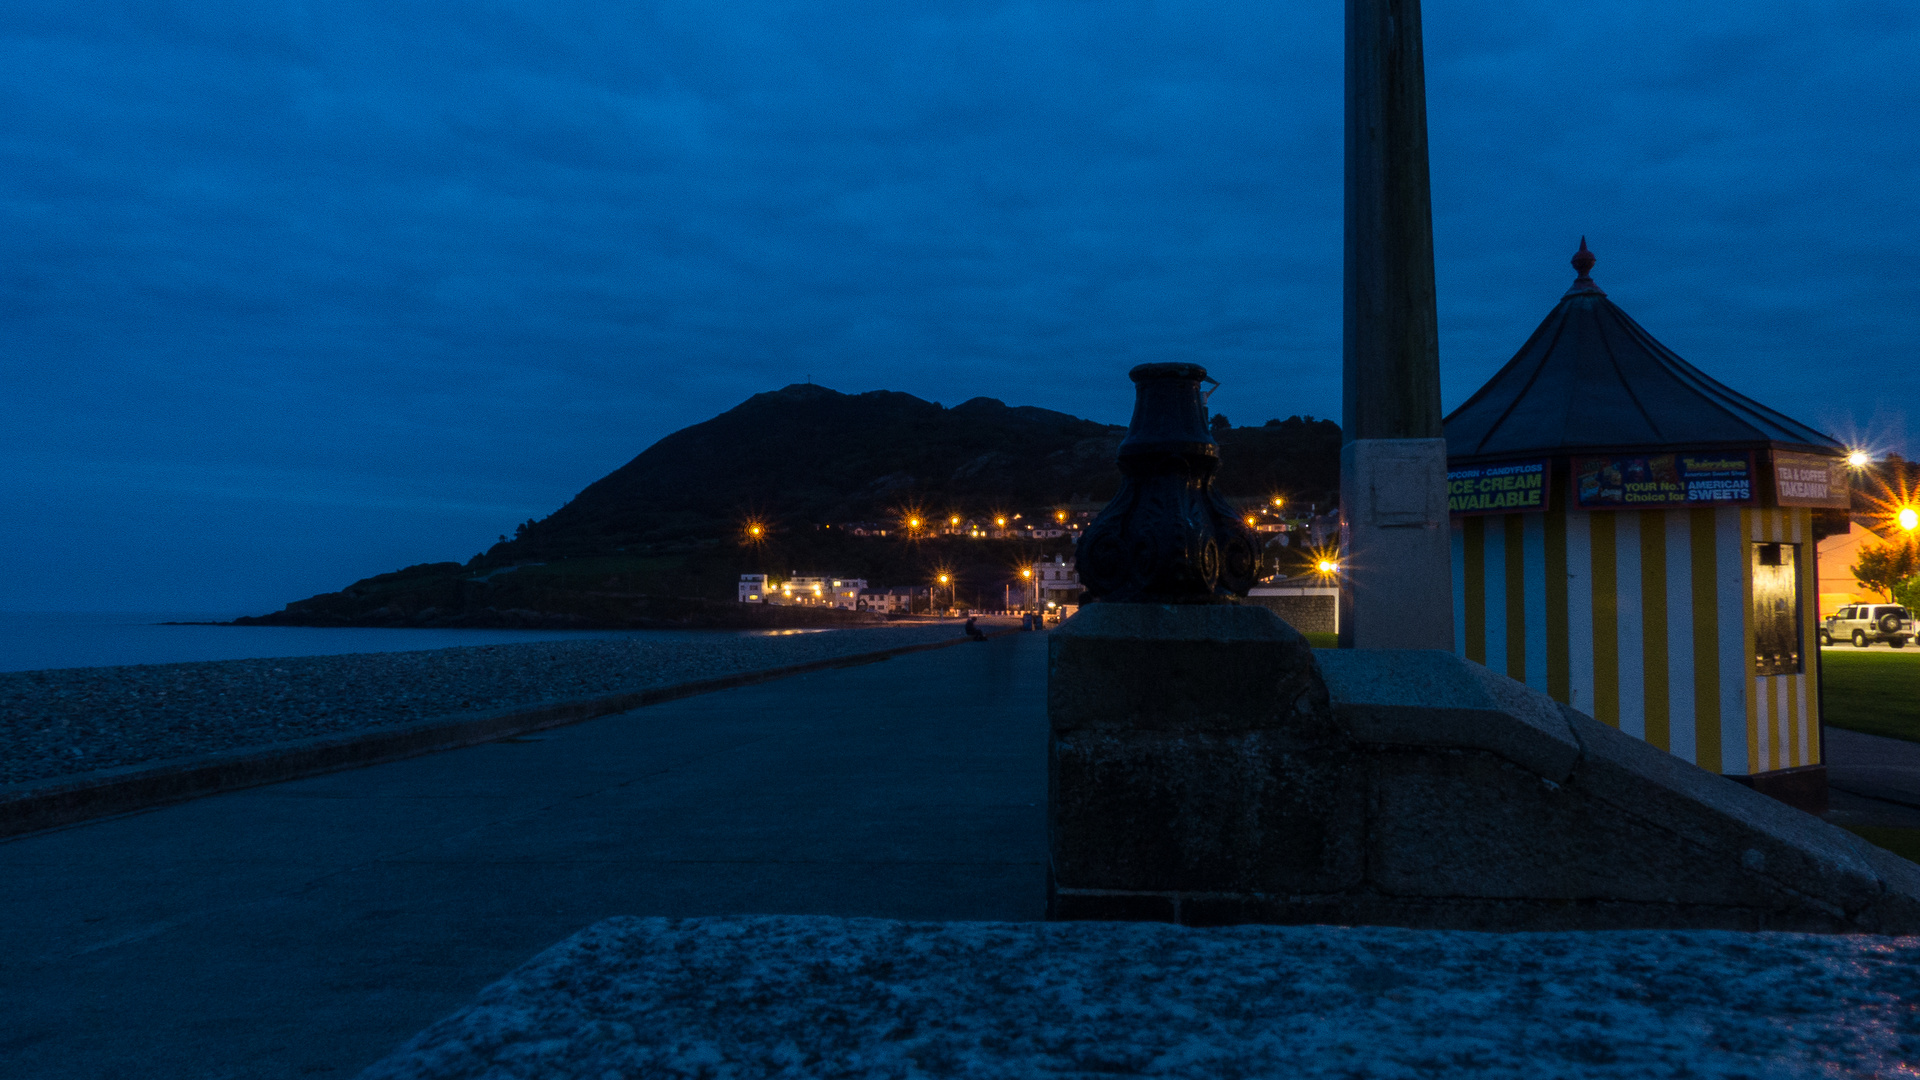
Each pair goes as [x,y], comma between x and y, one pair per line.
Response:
[504,246]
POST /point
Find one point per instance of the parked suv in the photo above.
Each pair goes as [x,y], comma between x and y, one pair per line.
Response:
[1866,623]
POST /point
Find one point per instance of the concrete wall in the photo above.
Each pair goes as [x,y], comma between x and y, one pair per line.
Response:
[1308,610]
[1207,767]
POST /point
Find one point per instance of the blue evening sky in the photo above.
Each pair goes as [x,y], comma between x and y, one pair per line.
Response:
[293,293]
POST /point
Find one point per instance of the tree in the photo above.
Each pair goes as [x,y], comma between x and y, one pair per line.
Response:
[1887,567]
[1221,423]
[1907,593]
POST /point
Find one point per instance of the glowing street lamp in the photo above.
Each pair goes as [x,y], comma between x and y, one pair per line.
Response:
[1859,459]
[1909,518]
[1326,566]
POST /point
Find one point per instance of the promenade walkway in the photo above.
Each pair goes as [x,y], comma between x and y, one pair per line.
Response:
[308,928]
[1875,780]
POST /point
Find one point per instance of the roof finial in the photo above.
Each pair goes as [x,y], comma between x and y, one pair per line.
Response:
[1583,261]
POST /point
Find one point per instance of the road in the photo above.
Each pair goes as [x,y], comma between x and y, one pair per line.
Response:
[308,928]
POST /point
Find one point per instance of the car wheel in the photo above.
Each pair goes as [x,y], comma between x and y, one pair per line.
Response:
[1825,638]
[1898,643]
[1889,623]
[1859,639]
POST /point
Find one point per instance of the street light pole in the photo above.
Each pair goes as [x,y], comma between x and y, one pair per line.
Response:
[1396,588]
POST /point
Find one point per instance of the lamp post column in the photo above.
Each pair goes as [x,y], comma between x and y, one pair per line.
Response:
[1396,589]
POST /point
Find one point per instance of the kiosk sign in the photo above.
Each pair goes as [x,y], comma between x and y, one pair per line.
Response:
[1507,487]
[1810,480]
[1651,481]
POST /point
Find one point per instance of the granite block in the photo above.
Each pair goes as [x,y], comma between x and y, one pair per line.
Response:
[1424,697]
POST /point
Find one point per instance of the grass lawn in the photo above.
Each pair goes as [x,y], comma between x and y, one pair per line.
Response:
[1323,641]
[1902,842]
[1874,692]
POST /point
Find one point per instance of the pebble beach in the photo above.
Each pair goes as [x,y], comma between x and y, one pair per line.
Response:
[65,721]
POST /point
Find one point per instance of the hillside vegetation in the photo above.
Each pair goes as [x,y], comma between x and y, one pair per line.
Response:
[802,462]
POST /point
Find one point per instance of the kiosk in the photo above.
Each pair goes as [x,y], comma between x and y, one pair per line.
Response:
[1637,540]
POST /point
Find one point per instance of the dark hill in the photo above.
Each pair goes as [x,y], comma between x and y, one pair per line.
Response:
[806,455]
[668,524]
[810,454]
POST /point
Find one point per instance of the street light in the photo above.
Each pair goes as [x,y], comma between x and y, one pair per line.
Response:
[1859,459]
[1909,518]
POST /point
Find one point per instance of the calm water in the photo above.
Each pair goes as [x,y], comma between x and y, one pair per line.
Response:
[29,641]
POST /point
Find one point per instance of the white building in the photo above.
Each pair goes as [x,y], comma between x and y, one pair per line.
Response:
[897,600]
[807,591]
[1058,581]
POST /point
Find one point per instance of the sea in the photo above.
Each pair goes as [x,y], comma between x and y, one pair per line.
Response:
[30,641]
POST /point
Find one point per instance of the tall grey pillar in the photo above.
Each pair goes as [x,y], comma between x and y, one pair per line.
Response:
[1396,582]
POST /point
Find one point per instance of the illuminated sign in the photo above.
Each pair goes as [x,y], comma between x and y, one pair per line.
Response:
[1810,480]
[1507,487]
[1652,481]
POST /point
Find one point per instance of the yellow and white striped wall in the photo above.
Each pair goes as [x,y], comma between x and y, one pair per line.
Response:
[1643,620]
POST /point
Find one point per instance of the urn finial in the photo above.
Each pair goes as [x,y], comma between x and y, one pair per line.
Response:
[1167,537]
[1583,261]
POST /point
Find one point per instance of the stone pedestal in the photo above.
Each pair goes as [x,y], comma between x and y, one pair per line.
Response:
[1207,767]
[1193,755]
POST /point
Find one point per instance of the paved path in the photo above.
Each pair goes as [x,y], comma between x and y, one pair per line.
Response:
[307,928]
[1875,767]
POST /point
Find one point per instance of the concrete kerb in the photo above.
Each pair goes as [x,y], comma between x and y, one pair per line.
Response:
[50,804]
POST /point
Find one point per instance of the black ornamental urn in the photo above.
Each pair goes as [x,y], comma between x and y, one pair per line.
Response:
[1167,537]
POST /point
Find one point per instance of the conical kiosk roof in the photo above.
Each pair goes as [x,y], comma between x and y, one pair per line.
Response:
[1592,381]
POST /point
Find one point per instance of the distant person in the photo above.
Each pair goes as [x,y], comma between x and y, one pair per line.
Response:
[973,631]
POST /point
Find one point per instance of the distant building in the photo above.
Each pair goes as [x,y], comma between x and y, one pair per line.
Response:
[823,592]
[1058,581]
[897,600]
[802,591]
[1323,529]
[1837,554]
[1307,531]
